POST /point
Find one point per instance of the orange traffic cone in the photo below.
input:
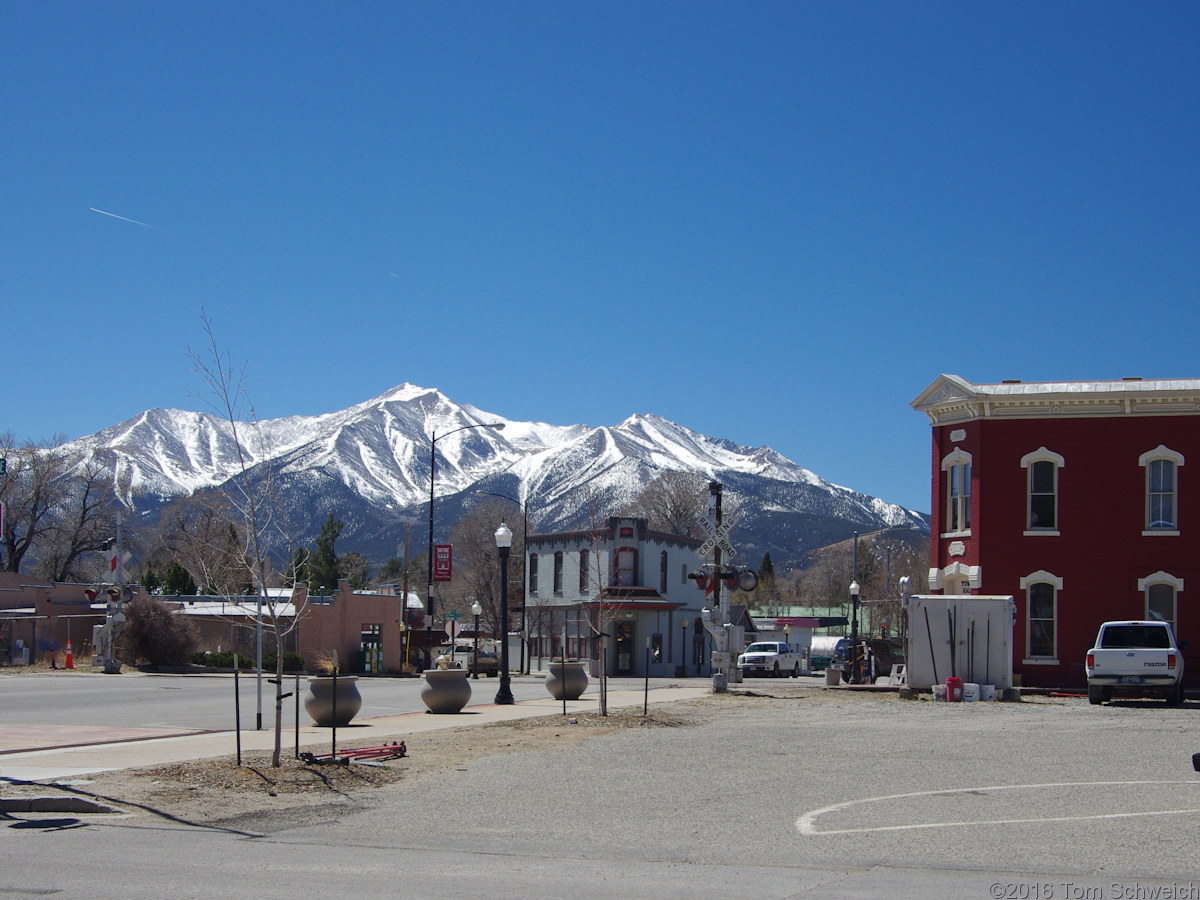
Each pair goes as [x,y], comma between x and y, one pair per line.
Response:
[70,658]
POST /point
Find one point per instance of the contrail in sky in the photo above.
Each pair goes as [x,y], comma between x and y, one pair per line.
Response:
[123,219]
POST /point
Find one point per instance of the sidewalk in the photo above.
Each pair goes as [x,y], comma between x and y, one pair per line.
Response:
[66,751]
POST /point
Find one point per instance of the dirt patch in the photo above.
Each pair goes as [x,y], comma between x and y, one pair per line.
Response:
[258,797]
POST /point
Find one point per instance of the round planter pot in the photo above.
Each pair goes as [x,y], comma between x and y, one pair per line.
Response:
[446,690]
[318,700]
[566,681]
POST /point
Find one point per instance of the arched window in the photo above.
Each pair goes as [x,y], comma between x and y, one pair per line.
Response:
[1041,507]
[1162,489]
[1161,591]
[625,569]
[584,570]
[533,573]
[957,467]
[558,573]
[1041,616]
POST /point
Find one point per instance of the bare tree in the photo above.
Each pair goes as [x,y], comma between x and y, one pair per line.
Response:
[205,538]
[253,507]
[477,564]
[601,610]
[672,502]
[53,515]
[85,520]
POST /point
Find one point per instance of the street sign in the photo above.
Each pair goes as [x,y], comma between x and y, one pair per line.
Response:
[454,615]
[717,537]
[452,628]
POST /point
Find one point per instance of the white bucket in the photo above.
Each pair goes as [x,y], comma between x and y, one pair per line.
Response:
[939,693]
[987,692]
[970,691]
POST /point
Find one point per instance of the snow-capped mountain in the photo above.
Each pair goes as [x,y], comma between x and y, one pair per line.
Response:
[369,466]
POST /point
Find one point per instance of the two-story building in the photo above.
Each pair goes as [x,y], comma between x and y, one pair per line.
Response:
[621,580]
[1072,497]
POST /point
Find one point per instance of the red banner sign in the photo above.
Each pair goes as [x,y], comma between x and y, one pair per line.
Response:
[442,562]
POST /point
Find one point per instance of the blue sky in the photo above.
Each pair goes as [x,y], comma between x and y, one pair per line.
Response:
[774,223]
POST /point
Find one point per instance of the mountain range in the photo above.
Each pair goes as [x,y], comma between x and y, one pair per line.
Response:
[369,466]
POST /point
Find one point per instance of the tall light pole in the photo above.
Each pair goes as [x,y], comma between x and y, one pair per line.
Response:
[854,633]
[476,609]
[524,563]
[433,439]
[683,645]
[503,545]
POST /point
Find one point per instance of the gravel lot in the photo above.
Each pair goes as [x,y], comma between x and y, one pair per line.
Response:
[783,786]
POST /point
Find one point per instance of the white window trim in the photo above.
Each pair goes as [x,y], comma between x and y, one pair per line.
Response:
[1041,577]
[1161,577]
[956,457]
[1161,452]
[1042,454]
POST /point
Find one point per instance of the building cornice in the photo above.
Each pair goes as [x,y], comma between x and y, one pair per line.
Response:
[952,400]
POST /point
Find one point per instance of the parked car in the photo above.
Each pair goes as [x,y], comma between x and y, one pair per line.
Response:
[770,658]
[826,651]
[1135,658]
[461,654]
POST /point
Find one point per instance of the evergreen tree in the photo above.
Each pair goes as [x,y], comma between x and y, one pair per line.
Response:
[323,568]
[767,592]
[150,581]
[177,581]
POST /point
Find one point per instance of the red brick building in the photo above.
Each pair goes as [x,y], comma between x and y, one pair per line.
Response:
[1072,497]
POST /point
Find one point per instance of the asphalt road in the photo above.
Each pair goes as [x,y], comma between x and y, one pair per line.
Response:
[855,796]
[207,703]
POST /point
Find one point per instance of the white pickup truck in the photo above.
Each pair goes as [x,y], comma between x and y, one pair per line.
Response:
[771,658]
[1135,658]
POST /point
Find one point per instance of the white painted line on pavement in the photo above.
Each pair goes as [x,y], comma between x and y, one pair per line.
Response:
[807,823]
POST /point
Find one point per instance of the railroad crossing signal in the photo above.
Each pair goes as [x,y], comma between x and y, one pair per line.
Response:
[718,536]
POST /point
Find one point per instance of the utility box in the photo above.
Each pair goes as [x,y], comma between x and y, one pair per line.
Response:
[960,636]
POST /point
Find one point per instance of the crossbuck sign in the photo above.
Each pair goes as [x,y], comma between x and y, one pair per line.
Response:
[718,536]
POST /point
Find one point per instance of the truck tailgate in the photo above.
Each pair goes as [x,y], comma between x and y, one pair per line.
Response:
[1115,662]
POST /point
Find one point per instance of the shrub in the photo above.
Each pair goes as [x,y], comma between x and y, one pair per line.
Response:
[154,635]
[223,659]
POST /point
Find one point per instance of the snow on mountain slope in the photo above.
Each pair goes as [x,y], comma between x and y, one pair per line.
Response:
[376,455]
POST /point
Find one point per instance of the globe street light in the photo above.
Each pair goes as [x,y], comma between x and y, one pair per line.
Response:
[476,609]
[854,633]
[433,439]
[524,565]
[503,545]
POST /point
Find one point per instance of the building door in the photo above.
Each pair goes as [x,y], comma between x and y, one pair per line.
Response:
[625,657]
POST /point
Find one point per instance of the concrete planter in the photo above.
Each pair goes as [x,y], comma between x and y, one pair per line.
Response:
[567,680]
[319,699]
[446,690]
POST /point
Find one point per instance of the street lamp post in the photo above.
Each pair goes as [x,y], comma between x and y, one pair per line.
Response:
[504,695]
[524,564]
[683,645]
[433,439]
[476,609]
[854,632]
